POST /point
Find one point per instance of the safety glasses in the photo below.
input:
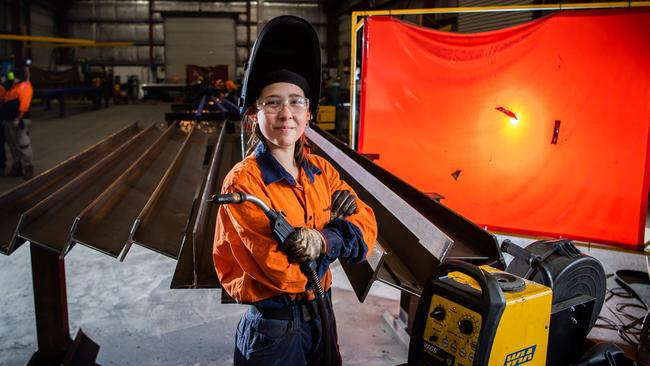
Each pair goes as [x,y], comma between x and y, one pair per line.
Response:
[274,105]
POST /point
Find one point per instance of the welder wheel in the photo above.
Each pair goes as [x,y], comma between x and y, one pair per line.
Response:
[508,282]
[573,272]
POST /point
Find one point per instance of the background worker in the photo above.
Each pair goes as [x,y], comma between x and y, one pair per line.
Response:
[282,325]
[14,115]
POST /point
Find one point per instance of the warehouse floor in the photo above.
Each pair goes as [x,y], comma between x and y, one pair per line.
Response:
[128,308]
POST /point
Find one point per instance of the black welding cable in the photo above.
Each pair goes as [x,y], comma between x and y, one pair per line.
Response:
[309,269]
[627,325]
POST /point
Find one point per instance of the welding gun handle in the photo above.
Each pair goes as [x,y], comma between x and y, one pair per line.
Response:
[224,199]
[280,227]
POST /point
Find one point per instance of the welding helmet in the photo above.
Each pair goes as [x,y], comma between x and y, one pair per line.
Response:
[285,43]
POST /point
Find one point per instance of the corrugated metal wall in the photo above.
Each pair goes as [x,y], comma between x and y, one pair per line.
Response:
[116,21]
[4,27]
[127,20]
[199,41]
[483,22]
[42,25]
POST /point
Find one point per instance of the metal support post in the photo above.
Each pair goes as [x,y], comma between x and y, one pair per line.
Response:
[55,347]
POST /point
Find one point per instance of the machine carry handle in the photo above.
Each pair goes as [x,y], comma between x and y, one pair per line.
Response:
[490,290]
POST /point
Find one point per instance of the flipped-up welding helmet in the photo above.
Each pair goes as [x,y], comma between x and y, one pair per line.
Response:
[285,43]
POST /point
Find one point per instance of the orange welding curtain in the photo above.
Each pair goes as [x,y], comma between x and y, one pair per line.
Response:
[429,104]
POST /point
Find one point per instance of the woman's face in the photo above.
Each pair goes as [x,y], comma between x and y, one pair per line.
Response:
[282,124]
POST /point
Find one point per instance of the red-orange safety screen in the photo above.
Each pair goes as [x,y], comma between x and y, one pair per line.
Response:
[539,129]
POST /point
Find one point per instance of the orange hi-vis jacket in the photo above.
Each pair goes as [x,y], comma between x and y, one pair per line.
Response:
[22,91]
[249,264]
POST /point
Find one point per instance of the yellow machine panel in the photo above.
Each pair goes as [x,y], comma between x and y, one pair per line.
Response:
[326,117]
[508,326]
[445,333]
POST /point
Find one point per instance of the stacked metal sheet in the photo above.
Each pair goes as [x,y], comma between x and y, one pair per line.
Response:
[138,186]
[148,186]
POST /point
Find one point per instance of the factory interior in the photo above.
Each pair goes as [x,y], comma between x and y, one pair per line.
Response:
[499,151]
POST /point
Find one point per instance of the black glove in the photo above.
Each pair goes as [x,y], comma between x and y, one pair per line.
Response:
[344,204]
[304,244]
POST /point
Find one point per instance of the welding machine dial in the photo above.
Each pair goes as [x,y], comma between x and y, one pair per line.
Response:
[438,313]
[466,326]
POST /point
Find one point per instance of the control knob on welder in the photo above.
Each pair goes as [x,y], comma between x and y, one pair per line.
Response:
[438,313]
[465,326]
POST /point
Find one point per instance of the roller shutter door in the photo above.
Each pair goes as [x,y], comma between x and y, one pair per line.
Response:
[199,41]
[483,22]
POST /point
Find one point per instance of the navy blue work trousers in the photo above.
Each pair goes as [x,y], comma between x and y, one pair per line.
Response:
[294,342]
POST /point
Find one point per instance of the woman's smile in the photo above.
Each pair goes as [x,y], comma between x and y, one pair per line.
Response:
[284,128]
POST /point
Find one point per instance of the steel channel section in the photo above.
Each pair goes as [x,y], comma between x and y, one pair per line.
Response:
[105,225]
[416,231]
[185,274]
[20,199]
[203,243]
[195,267]
[50,222]
[162,222]
[203,233]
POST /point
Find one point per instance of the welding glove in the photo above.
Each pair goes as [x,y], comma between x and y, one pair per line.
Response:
[344,204]
[304,244]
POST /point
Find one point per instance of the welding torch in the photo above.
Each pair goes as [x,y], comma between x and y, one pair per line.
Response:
[281,231]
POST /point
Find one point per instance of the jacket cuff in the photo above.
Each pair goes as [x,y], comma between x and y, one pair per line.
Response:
[333,242]
[325,240]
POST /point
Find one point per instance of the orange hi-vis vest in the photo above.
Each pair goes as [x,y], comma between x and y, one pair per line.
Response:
[249,264]
[22,91]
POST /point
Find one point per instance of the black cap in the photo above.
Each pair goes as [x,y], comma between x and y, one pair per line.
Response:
[285,44]
[282,76]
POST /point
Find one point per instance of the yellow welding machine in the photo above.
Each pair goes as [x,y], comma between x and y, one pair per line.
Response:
[471,315]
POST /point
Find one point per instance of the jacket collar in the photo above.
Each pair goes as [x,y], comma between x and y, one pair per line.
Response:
[273,172]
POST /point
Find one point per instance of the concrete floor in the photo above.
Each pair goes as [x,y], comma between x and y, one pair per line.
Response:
[128,308]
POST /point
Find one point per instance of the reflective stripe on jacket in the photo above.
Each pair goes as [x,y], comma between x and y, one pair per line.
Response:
[246,256]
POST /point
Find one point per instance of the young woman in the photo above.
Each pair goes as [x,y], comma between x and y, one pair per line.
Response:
[282,326]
